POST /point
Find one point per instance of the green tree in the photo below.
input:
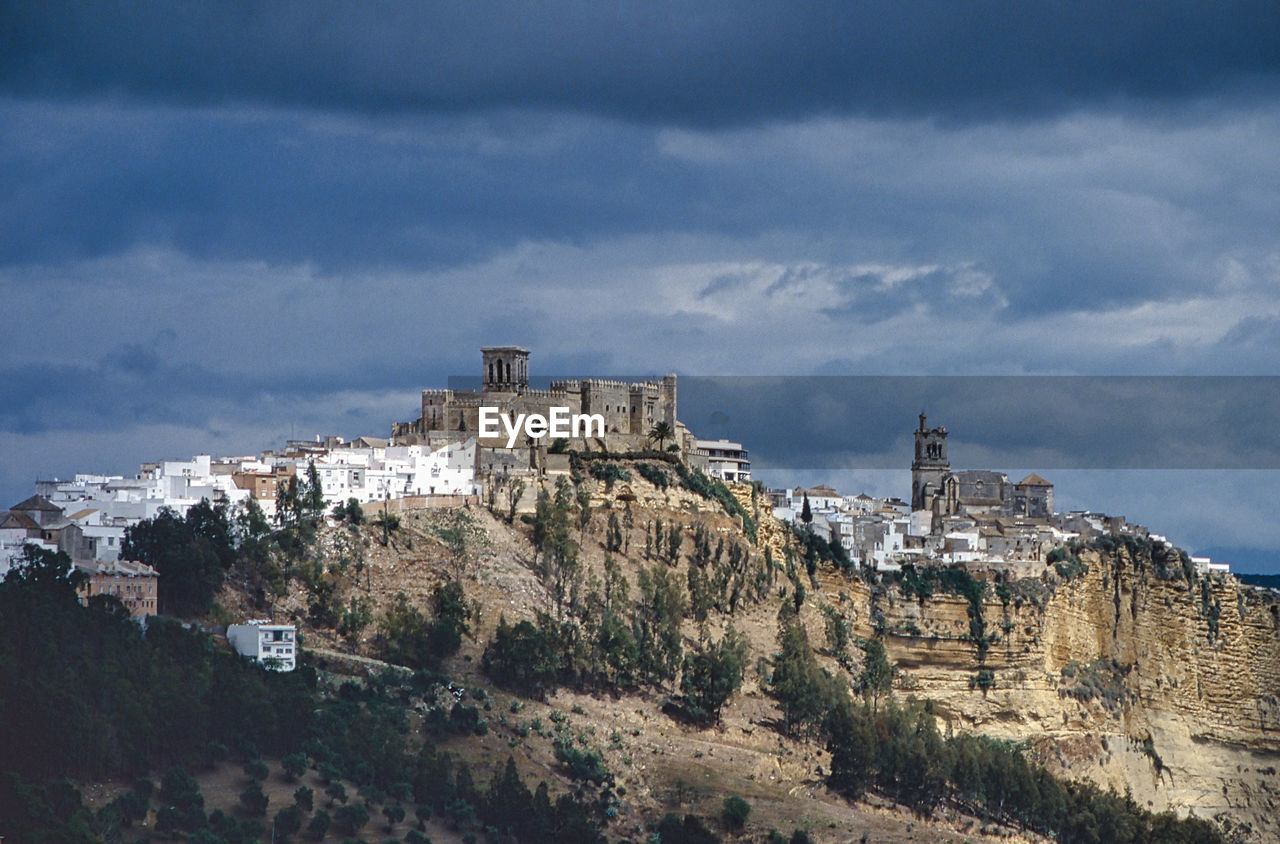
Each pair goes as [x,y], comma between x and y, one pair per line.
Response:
[660,433]
[509,803]
[388,523]
[656,624]
[319,825]
[294,765]
[357,616]
[351,818]
[305,798]
[837,631]
[288,821]
[712,675]
[804,689]
[877,674]
[515,489]
[524,657]
[49,572]
[191,554]
[253,801]
[851,742]
[288,501]
[313,492]
[410,638]
[349,511]
[806,512]
[613,534]
[394,813]
[449,619]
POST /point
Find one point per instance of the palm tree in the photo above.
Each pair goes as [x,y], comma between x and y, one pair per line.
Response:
[660,433]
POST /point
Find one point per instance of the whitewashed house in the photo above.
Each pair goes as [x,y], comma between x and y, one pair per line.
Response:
[273,645]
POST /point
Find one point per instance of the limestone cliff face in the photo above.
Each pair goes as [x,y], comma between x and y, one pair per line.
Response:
[1166,688]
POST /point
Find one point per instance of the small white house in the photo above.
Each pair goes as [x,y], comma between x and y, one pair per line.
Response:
[274,645]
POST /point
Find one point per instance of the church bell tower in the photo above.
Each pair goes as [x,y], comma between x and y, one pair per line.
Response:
[929,466]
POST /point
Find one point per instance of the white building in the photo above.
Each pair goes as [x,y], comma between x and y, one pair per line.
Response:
[273,645]
[726,460]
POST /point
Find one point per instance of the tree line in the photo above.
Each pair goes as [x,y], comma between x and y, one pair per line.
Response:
[87,693]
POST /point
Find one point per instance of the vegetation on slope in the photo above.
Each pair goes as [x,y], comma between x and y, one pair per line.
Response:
[87,693]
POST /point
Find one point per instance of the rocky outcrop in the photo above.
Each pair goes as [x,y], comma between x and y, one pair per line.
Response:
[1167,688]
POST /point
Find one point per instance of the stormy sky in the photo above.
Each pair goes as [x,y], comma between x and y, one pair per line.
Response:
[225,224]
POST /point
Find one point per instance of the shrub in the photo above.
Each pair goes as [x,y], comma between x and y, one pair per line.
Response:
[582,763]
[609,473]
[735,812]
[654,474]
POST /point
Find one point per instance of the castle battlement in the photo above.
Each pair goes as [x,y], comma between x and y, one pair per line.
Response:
[553,393]
[604,383]
[628,407]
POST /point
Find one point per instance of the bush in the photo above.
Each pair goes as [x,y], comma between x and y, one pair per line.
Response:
[654,475]
[609,473]
[583,764]
[735,812]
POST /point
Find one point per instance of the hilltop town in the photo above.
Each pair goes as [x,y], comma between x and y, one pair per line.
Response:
[629,617]
[442,459]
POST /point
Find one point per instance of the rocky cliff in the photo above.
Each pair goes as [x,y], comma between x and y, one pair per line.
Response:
[1166,687]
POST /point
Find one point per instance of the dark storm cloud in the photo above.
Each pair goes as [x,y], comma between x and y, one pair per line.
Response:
[132,386]
[1049,223]
[1047,422]
[693,64]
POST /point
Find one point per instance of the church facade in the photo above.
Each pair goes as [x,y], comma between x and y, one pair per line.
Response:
[937,489]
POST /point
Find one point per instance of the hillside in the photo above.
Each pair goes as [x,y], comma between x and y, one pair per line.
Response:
[1107,672]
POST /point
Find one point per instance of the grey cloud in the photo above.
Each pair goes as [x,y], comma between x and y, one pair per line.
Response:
[660,62]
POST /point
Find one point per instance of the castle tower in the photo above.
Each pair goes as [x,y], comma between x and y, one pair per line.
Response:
[505,369]
[929,466]
[669,400]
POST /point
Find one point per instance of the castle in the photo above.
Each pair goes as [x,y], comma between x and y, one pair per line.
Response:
[973,492]
[630,410]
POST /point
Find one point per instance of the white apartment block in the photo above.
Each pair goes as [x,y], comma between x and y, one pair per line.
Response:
[273,645]
[725,460]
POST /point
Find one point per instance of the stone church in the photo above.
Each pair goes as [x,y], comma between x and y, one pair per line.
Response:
[973,492]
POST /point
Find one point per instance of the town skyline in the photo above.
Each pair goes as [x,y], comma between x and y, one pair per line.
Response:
[229,229]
